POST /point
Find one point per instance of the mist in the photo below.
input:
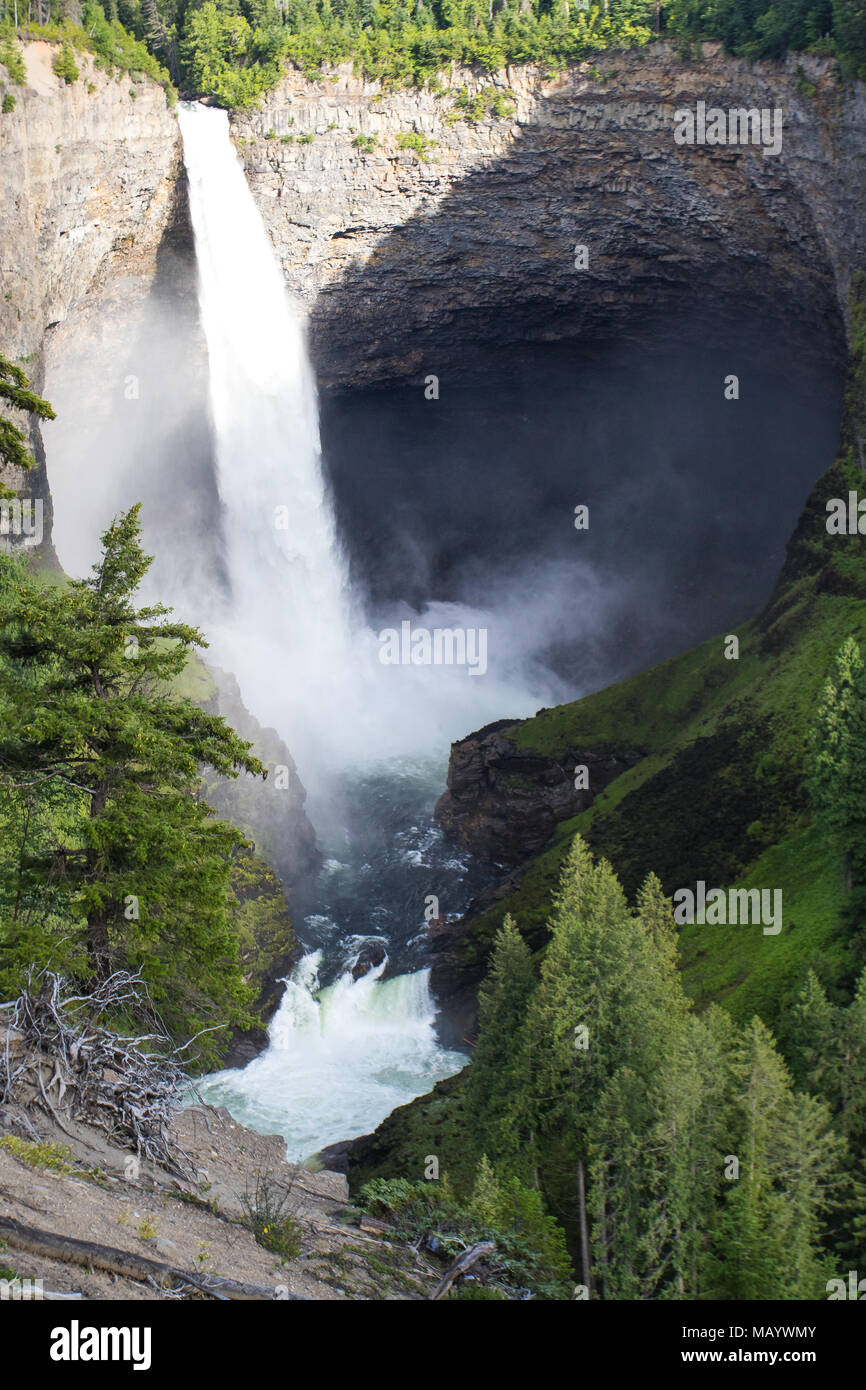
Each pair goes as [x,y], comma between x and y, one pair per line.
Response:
[454,513]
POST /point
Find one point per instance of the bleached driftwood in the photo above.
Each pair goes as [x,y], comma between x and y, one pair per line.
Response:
[60,1057]
[68,1250]
[464,1262]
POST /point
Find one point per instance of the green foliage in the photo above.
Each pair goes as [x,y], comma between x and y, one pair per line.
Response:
[365,143]
[414,140]
[224,58]
[10,54]
[39,1155]
[629,1107]
[488,101]
[8,103]
[762,30]
[838,772]
[496,1079]
[113,47]
[269,1214]
[65,65]
[234,50]
[530,1247]
[15,393]
[109,856]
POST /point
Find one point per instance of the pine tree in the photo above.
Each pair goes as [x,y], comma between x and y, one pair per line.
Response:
[688,1146]
[788,1153]
[135,861]
[828,1045]
[603,1020]
[838,765]
[496,1087]
[16,394]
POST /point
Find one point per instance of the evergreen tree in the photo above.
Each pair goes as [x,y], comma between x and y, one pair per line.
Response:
[838,774]
[828,1045]
[604,1019]
[15,393]
[496,1087]
[788,1154]
[135,861]
[688,1147]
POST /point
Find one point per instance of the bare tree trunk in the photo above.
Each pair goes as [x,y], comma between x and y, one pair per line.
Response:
[584,1228]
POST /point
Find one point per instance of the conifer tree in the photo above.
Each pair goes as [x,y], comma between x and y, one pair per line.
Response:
[838,769]
[609,999]
[16,394]
[788,1154]
[688,1146]
[496,1087]
[828,1045]
[136,862]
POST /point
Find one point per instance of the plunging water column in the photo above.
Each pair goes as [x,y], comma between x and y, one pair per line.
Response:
[339,1059]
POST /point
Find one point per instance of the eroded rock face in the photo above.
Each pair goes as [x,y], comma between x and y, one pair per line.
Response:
[504,804]
[271,810]
[87,175]
[403,262]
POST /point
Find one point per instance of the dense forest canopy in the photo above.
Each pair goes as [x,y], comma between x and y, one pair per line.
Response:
[234,50]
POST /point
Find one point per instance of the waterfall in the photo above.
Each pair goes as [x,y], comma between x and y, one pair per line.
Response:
[339,1059]
[289,619]
[307,662]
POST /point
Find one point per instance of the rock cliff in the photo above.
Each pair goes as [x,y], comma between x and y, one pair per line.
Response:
[407,258]
[504,804]
[87,177]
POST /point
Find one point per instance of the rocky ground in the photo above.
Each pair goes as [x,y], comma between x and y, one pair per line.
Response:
[86,1189]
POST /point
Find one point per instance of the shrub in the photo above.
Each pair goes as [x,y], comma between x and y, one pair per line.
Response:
[52,1158]
[530,1246]
[487,102]
[11,56]
[365,143]
[8,103]
[65,65]
[414,140]
[269,1214]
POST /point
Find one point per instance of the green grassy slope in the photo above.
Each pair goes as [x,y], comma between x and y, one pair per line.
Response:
[718,793]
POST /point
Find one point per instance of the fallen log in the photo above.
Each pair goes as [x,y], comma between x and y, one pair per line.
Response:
[462,1264]
[52,1246]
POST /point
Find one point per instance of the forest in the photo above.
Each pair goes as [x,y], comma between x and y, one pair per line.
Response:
[234,50]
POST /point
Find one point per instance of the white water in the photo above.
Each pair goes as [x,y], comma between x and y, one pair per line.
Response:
[339,1060]
[305,660]
[285,622]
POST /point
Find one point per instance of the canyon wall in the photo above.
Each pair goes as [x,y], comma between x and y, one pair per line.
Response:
[405,259]
[87,178]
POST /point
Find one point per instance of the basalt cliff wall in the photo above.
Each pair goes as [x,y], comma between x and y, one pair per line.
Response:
[87,178]
[407,260]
